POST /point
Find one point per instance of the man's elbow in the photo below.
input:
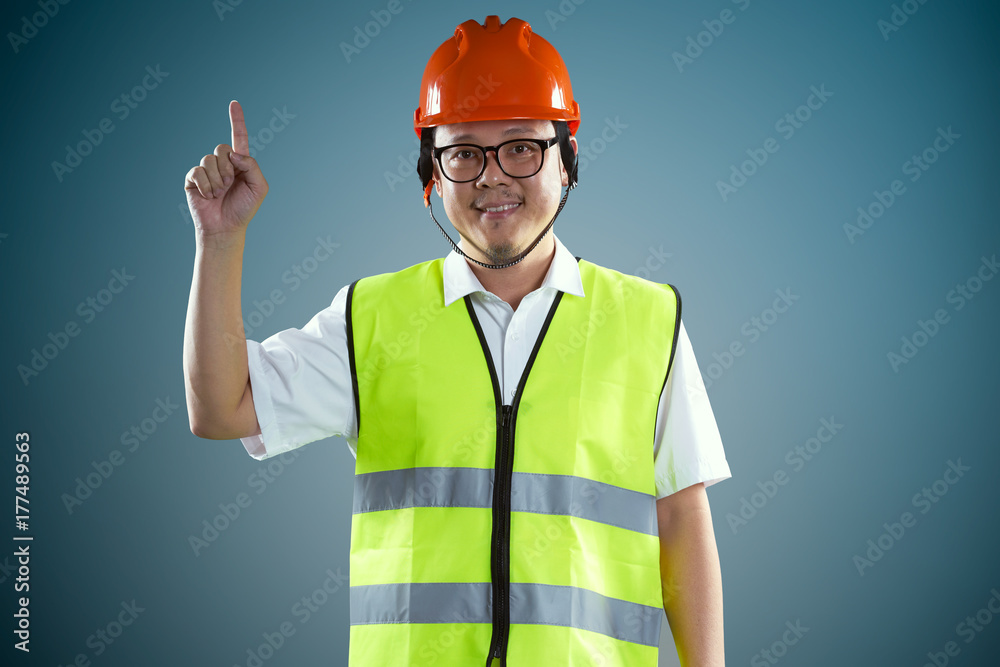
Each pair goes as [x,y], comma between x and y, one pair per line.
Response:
[203,430]
[212,429]
[212,422]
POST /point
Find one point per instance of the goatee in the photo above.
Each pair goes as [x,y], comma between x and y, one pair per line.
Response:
[501,253]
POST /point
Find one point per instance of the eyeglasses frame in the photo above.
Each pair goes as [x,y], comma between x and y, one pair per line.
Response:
[544,144]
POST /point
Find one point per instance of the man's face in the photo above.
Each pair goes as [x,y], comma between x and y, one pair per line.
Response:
[498,236]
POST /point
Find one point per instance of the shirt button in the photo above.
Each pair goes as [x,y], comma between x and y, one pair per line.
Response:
[514,336]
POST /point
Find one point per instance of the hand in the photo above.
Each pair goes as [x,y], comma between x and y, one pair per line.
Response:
[225,191]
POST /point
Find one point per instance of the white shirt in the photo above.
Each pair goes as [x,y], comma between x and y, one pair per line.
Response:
[302,392]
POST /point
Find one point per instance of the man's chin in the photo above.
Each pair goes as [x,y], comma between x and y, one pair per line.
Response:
[499,245]
[501,253]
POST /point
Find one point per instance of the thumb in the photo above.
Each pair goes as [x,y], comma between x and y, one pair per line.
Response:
[246,165]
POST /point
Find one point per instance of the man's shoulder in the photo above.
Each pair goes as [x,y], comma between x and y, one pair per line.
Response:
[592,273]
[428,270]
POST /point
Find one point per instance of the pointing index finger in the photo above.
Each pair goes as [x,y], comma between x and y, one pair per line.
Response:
[240,143]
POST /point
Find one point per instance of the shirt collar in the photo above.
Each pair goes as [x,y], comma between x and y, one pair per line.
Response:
[563,275]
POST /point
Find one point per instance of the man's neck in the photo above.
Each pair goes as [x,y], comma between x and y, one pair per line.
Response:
[515,282]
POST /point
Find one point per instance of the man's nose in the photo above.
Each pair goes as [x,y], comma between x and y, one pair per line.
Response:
[492,173]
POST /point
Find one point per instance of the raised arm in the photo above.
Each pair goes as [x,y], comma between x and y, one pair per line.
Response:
[223,193]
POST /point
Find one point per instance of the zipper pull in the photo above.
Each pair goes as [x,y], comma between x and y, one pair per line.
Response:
[505,417]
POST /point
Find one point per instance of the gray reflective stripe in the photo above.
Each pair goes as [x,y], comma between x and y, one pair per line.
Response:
[423,487]
[584,609]
[535,604]
[421,603]
[585,498]
[530,492]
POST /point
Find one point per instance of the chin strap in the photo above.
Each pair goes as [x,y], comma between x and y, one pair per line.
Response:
[427,203]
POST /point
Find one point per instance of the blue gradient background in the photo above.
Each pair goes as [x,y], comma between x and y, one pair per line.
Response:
[653,186]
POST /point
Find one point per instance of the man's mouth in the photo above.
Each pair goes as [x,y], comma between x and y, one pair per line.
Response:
[499,208]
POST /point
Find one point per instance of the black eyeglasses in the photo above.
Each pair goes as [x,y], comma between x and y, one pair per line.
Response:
[518,158]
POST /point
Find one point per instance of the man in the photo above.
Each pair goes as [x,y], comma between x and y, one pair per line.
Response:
[531,432]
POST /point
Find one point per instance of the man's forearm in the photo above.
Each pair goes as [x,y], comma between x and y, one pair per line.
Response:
[692,578]
[215,363]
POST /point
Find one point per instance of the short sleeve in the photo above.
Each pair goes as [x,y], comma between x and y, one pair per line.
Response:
[688,447]
[301,384]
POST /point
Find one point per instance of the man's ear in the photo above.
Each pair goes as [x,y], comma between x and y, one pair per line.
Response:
[565,176]
[437,180]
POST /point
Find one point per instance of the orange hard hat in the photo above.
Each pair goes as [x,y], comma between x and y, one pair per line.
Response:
[495,71]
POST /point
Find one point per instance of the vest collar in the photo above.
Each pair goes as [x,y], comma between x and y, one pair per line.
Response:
[563,275]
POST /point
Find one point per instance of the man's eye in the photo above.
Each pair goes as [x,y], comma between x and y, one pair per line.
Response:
[521,149]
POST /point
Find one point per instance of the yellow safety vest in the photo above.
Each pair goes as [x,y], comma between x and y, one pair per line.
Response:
[524,533]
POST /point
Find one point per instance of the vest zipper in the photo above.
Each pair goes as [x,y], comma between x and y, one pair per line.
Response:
[503,472]
[501,544]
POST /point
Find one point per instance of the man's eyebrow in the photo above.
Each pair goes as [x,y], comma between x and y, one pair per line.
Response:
[506,133]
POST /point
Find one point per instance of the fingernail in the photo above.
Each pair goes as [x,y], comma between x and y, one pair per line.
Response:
[236,156]
[226,180]
[218,192]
